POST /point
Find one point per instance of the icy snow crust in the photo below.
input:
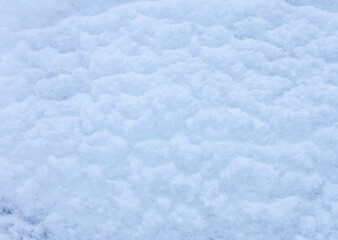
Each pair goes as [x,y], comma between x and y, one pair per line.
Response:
[180,119]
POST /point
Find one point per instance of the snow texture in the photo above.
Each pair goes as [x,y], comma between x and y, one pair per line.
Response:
[169,119]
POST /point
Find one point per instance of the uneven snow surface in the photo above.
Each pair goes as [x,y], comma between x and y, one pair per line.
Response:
[168,120]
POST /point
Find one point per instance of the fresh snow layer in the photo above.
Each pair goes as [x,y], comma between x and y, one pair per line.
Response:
[168,120]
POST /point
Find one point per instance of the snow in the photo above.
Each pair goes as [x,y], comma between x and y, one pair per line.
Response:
[168,119]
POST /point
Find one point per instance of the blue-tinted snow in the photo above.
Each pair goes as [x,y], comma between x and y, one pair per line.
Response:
[173,119]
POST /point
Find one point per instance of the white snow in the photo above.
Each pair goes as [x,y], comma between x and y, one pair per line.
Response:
[168,119]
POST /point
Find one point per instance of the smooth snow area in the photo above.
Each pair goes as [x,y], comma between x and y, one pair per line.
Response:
[168,120]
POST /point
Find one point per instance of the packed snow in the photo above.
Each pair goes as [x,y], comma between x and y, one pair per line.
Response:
[169,120]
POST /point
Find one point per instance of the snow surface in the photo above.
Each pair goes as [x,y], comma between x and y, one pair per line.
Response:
[170,119]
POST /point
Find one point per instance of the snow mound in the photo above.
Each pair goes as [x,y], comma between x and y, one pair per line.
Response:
[169,119]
